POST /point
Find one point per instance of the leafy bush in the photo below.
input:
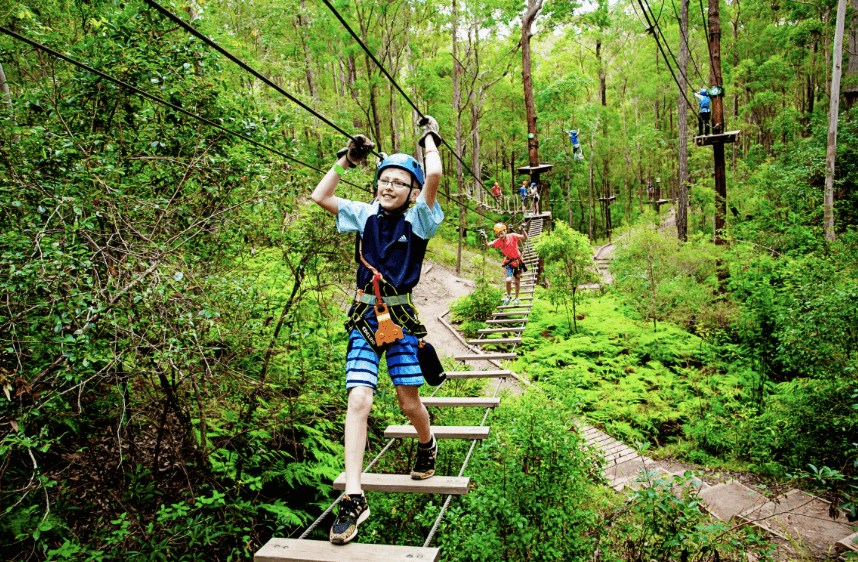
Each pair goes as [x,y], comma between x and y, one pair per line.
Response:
[534,484]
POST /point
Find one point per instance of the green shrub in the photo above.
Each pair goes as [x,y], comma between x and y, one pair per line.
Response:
[533,495]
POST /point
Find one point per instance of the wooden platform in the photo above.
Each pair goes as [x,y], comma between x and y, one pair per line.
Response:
[499,330]
[295,550]
[494,341]
[458,402]
[707,140]
[538,169]
[439,431]
[478,374]
[403,484]
[486,356]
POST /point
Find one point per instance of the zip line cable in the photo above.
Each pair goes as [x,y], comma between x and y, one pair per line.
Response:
[687,46]
[706,29]
[163,102]
[193,31]
[667,62]
[392,81]
[667,44]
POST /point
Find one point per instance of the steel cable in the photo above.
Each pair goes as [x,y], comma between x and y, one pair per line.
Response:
[161,101]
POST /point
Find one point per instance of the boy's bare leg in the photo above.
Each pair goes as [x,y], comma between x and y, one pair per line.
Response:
[409,402]
[360,404]
[517,284]
[508,287]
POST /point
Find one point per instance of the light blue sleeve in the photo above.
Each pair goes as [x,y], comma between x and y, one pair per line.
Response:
[352,215]
[424,221]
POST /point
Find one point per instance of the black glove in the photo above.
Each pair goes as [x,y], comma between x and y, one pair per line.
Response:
[356,150]
[430,128]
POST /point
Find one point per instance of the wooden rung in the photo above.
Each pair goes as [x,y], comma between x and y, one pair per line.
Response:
[403,484]
[486,356]
[510,306]
[499,330]
[461,402]
[296,550]
[439,431]
[495,340]
[478,374]
[506,321]
[523,312]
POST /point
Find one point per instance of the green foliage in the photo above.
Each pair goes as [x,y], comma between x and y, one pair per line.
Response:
[532,500]
[472,309]
[568,256]
[668,280]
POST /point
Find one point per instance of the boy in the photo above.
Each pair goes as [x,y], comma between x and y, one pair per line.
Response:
[390,244]
[496,190]
[534,196]
[705,111]
[523,192]
[577,153]
[508,243]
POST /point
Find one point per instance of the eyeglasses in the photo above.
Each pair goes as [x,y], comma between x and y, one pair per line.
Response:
[394,183]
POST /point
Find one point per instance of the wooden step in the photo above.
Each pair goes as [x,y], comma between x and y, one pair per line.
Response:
[506,321]
[478,374]
[296,550]
[403,484]
[461,402]
[486,356]
[439,431]
[494,341]
[515,313]
[499,330]
[510,306]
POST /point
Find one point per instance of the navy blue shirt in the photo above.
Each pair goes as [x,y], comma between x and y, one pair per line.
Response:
[394,245]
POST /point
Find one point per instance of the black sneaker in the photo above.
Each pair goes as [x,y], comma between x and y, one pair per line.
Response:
[353,510]
[424,465]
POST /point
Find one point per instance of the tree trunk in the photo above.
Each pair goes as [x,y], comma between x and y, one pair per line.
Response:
[533,7]
[682,125]
[602,87]
[4,91]
[851,93]
[833,111]
[717,104]
[456,108]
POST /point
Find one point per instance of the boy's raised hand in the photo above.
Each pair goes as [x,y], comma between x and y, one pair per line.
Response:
[357,150]
[430,127]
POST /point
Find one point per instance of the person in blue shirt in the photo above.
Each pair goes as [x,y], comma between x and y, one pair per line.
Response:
[705,111]
[392,233]
[524,195]
[577,153]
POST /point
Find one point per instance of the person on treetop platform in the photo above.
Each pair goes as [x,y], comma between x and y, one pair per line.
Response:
[705,111]
[391,240]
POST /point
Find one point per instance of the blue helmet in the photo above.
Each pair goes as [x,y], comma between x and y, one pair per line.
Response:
[704,93]
[404,162]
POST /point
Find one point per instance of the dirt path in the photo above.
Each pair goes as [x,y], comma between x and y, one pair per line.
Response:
[433,295]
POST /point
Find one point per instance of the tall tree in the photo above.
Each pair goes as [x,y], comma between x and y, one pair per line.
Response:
[833,111]
[682,125]
[533,7]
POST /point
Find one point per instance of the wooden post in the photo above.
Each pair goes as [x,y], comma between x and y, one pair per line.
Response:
[833,111]
[717,120]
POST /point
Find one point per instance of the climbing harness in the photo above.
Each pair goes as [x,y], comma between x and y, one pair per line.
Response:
[389,309]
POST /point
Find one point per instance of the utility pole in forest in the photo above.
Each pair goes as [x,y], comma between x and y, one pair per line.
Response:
[833,112]
[718,137]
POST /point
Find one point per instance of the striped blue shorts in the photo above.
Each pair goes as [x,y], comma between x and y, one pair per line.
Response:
[362,362]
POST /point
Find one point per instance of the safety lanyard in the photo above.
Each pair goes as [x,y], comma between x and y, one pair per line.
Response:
[376,274]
